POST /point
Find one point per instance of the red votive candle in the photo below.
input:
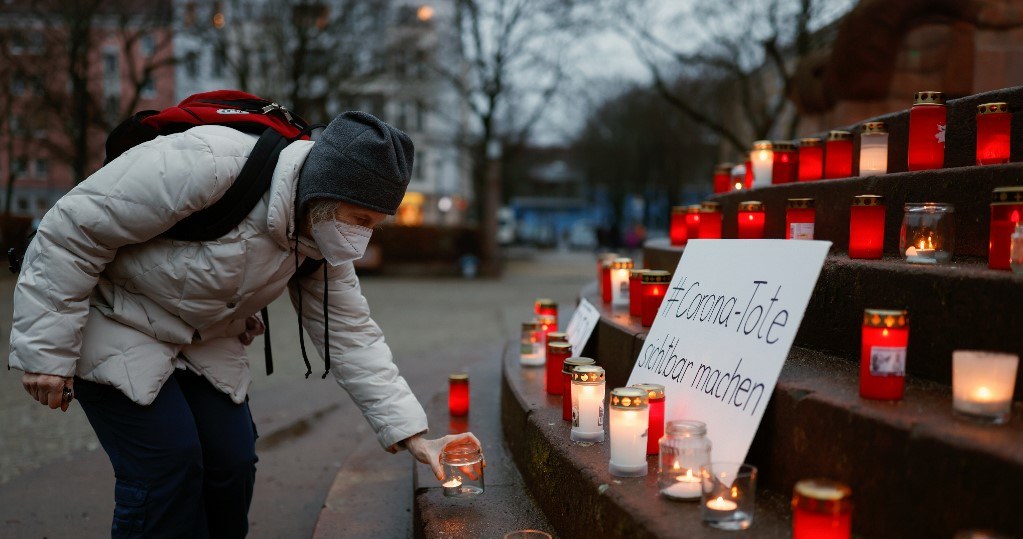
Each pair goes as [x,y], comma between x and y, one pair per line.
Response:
[866,227]
[677,232]
[606,292]
[566,383]
[927,131]
[993,128]
[458,394]
[751,220]
[723,178]
[693,221]
[821,509]
[799,218]
[785,166]
[546,323]
[635,292]
[655,429]
[655,285]
[883,354]
[811,159]
[549,307]
[600,270]
[557,353]
[1006,213]
[838,150]
[748,174]
[738,178]
[710,221]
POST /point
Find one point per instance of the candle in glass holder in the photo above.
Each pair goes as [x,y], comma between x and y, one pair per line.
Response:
[636,291]
[747,175]
[993,128]
[677,231]
[762,158]
[874,149]
[723,178]
[546,323]
[751,220]
[1006,213]
[821,509]
[557,336]
[655,399]
[655,285]
[458,394]
[811,159]
[692,221]
[710,221]
[866,227]
[462,465]
[729,495]
[620,269]
[927,131]
[547,306]
[927,235]
[883,354]
[684,450]
[1016,250]
[600,269]
[587,404]
[557,353]
[738,177]
[530,354]
[606,290]
[799,218]
[785,164]
[983,384]
[838,150]
[566,383]
[629,420]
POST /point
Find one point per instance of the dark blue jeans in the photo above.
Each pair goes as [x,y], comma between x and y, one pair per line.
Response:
[185,465]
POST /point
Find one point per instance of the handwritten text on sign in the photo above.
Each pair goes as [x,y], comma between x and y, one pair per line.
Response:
[723,332]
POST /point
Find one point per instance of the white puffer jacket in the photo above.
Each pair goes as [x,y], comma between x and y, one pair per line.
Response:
[104,297]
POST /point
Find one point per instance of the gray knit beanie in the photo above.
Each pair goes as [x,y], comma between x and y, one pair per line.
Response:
[358,159]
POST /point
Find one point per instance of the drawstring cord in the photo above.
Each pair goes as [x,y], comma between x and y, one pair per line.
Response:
[326,328]
[301,338]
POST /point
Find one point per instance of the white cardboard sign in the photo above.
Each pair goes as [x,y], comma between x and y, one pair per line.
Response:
[580,327]
[723,331]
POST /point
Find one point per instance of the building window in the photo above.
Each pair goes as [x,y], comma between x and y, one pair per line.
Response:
[17,125]
[42,167]
[17,85]
[189,18]
[147,45]
[112,107]
[420,116]
[419,167]
[22,204]
[110,67]
[19,167]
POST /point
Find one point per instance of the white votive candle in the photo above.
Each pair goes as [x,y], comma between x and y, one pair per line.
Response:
[587,404]
[983,384]
[629,423]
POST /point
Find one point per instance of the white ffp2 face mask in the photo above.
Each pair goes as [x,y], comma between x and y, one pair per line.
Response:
[340,242]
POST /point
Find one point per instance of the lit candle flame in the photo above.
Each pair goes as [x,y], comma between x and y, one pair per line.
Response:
[735,492]
[983,393]
[738,186]
[676,466]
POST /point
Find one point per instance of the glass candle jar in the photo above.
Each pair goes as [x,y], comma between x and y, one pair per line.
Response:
[710,221]
[636,291]
[1016,250]
[458,394]
[729,495]
[546,306]
[546,323]
[883,354]
[587,404]
[993,128]
[620,269]
[821,509]
[600,268]
[738,177]
[874,149]
[655,285]
[927,235]
[463,471]
[785,165]
[762,158]
[557,336]
[811,159]
[530,354]
[655,400]
[751,220]
[606,290]
[557,353]
[927,131]
[866,227]
[799,218]
[684,449]
[723,178]
[629,419]
[692,221]
[1006,210]
[747,175]
[983,384]
[677,231]
[566,383]
[838,152]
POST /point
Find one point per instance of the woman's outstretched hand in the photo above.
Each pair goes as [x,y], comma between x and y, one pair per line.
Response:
[428,451]
[53,391]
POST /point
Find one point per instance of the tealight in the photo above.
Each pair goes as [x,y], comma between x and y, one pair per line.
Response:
[463,471]
[983,384]
[684,450]
[729,495]
[928,233]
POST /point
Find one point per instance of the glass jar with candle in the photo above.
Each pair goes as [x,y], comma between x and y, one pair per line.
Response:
[883,354]
[606,290]
[557,353]
[546,323]
[620,268]
[785,164]
[710,220]
[762,158]
[821,509]
[600,269]
[751,220]
[463,471]
[685,449]
[874,149]
[655,400]
[587,404]
[1006,213]
[723,178]
[983,384]
[1016,250]
[927,131]
[738,177]
[629,420]
[799,218]
[866,227]
[748,173]
[692,221]
[458,394]
[993,128]
[566,383]
[927,235]
[655,286]
[546,306]
[530,353]
[838,150]
[811,159]
[729,495]
[636,291]
[677,231]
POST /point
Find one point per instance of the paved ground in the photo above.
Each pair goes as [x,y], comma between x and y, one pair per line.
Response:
[55,482]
